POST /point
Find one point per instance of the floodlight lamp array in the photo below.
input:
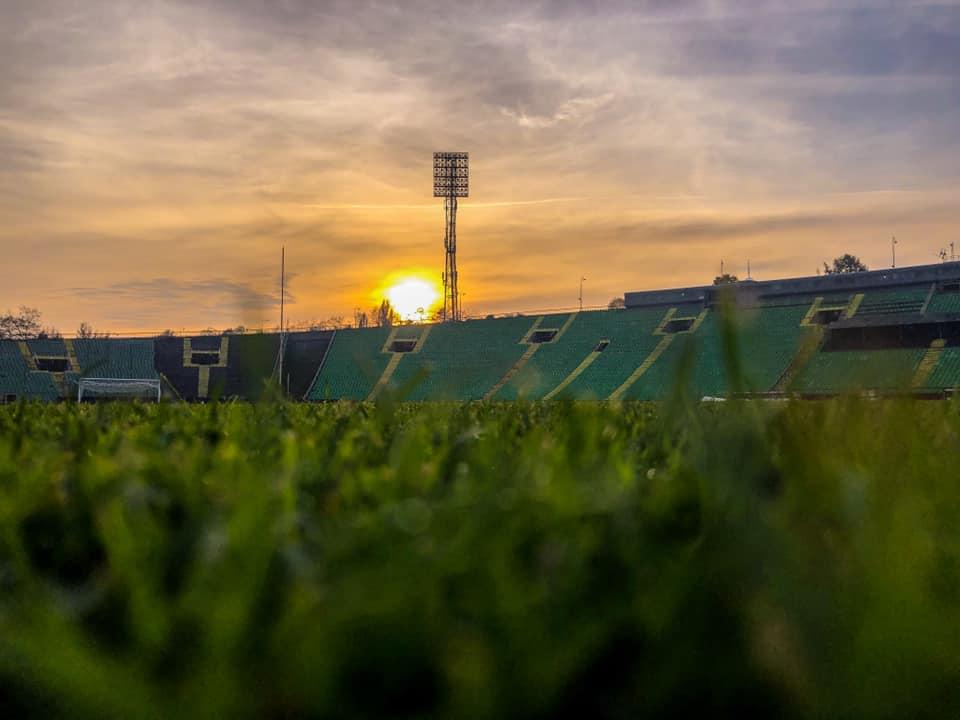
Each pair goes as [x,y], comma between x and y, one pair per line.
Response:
[451,174]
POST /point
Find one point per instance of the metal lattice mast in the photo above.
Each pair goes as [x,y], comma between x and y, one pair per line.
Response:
[451,305]
[450,181]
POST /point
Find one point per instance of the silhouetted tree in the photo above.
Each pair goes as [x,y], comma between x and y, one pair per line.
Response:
[23,326]
[846,263]
[86,332]
[725,279]
[616,303]
[384,314]
[360,318]
[334,322]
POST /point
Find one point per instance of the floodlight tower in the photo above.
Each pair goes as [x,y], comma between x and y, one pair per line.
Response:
[450,181]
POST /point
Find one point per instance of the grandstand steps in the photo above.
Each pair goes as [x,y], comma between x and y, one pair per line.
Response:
[566,326]
[811,312]
[72,356]
[517,367]
[323,360]
[60,382]
[388,371]
[532,330]
[27,355]
[168,388]
[203,382]
[673,314]
[854,306]
[808,348]
[424,334]
[396,357]
[926,301]
[643,367]
[574,374]
[927,364]
[203,370]
[527,354]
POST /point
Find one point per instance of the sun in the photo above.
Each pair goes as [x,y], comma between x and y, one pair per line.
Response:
[412,297]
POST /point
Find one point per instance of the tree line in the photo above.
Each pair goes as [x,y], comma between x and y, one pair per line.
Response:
[845,263]
[26,324]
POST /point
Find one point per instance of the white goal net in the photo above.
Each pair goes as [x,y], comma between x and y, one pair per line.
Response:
[118,388]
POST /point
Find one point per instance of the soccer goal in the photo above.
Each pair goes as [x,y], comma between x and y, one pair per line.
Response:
[118,388]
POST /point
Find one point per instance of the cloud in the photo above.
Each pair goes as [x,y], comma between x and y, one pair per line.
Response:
[178,291]
[190,140]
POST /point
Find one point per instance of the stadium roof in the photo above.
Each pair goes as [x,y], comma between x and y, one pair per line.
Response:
[838,282]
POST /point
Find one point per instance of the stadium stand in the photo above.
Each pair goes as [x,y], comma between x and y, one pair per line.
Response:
[888,330]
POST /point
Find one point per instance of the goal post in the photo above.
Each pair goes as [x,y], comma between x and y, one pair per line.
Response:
[118,388]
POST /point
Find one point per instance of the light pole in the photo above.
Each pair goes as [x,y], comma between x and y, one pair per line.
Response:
[450,181]
[893,249]
[580,297]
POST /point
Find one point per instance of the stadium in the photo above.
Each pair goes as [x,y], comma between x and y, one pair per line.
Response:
[391,481]
[881,331]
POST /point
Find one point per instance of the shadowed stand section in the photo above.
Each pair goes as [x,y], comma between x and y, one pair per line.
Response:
[207,359]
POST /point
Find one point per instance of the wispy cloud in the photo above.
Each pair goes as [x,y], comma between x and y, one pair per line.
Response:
[182,141]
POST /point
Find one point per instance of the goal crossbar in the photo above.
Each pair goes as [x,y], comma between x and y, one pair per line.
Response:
[119,387]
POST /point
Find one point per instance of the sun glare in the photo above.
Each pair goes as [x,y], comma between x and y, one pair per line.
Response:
[413,298]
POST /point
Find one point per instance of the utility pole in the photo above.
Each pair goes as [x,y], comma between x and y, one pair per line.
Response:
[580,297]
[283,258]
[893,250]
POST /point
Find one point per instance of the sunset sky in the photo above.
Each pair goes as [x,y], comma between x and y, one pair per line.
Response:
[154,156]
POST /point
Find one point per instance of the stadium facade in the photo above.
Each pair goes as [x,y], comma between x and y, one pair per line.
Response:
[888,331]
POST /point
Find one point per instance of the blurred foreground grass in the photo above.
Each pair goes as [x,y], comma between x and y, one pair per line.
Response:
[472,560]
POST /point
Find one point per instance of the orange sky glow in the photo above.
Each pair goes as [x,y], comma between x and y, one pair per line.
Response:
[156,157]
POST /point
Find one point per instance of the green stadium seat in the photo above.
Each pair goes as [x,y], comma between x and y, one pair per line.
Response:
[115,358]
[830,372]
[893,301]
[946,373]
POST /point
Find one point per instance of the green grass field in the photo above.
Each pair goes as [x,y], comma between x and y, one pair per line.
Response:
[480,560]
